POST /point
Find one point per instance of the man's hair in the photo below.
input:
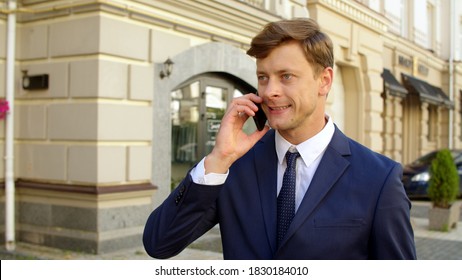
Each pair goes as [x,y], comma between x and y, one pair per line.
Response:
[317,45]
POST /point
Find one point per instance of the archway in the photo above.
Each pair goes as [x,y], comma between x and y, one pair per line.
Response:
[207,58]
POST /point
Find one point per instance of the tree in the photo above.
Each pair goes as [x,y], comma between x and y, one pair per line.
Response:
[444,180]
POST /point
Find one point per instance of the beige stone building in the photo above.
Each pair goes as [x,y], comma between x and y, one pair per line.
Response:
[103,141]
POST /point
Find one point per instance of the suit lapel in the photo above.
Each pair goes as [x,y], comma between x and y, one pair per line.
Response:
[266,167]
[330,169]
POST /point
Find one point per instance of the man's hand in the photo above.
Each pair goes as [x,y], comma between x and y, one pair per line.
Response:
[232,142]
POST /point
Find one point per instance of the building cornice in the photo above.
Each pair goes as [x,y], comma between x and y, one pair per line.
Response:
[85,189]
[235,21]
[356,12]
[406,47]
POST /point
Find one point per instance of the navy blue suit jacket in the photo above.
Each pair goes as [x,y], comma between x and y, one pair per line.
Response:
[355,208]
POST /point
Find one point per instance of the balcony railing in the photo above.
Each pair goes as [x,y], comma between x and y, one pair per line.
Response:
[256,3]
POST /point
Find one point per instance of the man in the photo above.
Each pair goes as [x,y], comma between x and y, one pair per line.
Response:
[344,201]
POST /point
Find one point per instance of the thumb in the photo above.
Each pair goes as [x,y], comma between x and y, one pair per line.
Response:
[258,134]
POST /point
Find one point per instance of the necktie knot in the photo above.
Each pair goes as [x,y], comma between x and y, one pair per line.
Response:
[291,158]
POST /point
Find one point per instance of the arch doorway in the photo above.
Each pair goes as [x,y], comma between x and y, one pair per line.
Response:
[212,74]
[197,107]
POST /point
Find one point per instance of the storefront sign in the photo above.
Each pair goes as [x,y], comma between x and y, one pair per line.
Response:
[422,69]
[414,64]
[213,125]
[405,62]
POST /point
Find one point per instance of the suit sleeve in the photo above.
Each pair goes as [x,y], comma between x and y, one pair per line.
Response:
[392,233]
[187,213]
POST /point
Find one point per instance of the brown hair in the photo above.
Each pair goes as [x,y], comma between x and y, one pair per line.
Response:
[316,44]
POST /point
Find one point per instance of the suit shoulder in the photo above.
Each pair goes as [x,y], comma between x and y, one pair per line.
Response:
[370,157]
[357,152]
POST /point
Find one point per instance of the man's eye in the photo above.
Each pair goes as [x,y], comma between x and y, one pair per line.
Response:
[261,78]
[287,76]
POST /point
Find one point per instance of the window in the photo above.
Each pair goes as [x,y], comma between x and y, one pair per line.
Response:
[404,18]
[460,112]
[376,5]
[431,22]
[397,13]
[458,53]
[432,123]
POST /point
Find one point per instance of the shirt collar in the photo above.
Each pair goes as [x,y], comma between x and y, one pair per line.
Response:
[310,149]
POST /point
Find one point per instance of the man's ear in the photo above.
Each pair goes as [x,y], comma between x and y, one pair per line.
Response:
[325,78]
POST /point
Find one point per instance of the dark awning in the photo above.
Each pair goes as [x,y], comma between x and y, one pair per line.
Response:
[428,93]
[446,101]
[391,84]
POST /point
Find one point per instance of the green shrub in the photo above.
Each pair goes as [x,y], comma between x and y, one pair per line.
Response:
[443,186]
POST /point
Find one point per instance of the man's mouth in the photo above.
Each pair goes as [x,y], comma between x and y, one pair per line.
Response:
[279,108]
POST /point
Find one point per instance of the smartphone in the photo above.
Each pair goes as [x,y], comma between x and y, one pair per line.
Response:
[260,117]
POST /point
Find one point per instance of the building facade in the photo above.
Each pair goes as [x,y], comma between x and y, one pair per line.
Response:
[136,91]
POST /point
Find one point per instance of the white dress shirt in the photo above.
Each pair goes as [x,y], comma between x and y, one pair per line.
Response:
[311,152]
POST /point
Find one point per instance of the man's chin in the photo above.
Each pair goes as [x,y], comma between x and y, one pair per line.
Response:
[278,126]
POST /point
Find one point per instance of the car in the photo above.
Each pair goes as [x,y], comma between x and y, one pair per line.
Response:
[416,175]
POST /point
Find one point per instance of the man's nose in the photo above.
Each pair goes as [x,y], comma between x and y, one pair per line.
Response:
[271,89]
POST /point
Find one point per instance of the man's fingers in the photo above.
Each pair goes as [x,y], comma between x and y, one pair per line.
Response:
[257,135]
[243,105]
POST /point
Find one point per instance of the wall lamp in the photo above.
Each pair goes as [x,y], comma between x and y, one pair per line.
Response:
[35,82]
[167,69]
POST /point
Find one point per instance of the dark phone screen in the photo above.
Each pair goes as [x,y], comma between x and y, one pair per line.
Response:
[259,118]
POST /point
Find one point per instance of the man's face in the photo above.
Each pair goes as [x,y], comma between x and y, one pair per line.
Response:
[294,99]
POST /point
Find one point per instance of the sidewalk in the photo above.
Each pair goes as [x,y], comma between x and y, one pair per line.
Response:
[434,245]
[208,247]
[430,245]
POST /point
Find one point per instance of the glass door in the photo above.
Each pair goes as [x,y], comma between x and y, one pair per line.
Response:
[216,102]
[185,114]
[197,108]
